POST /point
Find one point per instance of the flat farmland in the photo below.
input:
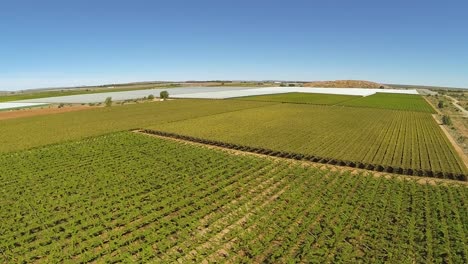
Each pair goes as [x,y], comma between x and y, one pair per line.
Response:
[303,98]
[404,140]
[30,132]
[405,102]
[136,198]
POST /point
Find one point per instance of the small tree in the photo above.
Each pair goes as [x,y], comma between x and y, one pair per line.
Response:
[446,120]
[108,101]
[164,95]
[150,97]
[440,104]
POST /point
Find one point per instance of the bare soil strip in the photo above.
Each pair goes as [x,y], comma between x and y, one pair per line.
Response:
[354,171]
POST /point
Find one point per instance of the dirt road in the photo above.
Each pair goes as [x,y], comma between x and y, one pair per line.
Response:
[455,103]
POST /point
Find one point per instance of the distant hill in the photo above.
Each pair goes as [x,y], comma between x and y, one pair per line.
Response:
[345,84]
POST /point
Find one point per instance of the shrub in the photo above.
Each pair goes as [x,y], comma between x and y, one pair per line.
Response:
[108,101]
[440,104]
[164,95]
[150,97]
[446,120]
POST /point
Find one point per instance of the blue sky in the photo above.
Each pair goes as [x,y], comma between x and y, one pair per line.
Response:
[60,43]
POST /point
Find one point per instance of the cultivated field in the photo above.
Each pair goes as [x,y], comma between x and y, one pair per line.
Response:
[302,98]
[392,101]
[406,141]
[128,197]
[79,187]
[24,133]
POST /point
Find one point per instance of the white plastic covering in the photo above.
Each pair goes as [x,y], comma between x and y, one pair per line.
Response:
[210,93]
[13,105]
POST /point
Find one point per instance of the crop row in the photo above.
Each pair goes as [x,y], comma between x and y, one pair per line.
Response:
[405,102]
[29,132]
[127,197]
[398,141]
[302,98]
[298,156]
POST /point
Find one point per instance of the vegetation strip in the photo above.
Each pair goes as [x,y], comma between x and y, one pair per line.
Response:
[312,158]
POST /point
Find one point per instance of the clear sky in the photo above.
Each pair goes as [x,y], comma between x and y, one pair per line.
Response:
[80,42]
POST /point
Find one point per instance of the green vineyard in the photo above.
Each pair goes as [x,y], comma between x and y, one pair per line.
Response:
[137,198]
[402,140]
[302,98]
[405,102]
[43,130]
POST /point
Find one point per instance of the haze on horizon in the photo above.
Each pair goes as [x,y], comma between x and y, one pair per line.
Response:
[55,43]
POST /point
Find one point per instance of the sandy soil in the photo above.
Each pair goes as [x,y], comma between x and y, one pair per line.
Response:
[20,113]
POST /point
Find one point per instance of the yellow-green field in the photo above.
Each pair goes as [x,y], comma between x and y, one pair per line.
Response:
[129,197]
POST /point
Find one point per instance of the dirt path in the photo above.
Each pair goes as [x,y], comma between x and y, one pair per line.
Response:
[40,111]
[354,171]
[455,103]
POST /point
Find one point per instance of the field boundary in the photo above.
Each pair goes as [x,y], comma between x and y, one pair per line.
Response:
[310,158]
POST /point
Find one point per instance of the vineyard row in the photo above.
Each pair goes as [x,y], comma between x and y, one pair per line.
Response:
[313,158]
[135,198]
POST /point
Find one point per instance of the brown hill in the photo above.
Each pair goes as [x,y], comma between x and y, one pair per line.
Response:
[345,84]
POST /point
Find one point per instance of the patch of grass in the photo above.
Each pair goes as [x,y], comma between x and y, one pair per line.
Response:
[302,98]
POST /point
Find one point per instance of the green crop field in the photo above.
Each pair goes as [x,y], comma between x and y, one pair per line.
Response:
[128,197]
[406,102]
[24,133]
[400,139]
[302,98]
